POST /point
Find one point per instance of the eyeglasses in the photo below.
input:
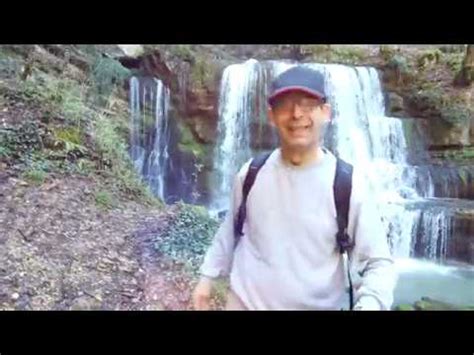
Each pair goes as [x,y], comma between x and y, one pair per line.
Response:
[307,105]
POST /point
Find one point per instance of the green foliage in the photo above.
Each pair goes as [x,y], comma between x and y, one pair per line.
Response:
[73,103]
[73,137]
[71,141]
[9,67]
[325,53]
[387,52]
[202,72]
[183,52]
[104,199]
[451,109]
[349,55]
[35,176]
[6,144]
[107,74]
[5,152]
[113,151]
[57,97]
[109,144]
[37,160]
[399,63]
[456,48]
[84,167]
[429,57]
[188,143]
[70,134]
[454,61]
[21,139]
[187,236]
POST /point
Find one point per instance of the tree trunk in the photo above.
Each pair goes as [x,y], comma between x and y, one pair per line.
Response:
[466,75]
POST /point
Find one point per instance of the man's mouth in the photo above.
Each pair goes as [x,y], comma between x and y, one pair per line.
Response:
[299,128]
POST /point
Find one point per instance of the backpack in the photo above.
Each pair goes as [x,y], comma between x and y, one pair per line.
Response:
[342,188]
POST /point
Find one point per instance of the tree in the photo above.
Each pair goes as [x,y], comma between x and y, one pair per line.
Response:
[466,75]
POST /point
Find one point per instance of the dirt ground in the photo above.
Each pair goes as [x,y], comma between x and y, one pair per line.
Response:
[60,251]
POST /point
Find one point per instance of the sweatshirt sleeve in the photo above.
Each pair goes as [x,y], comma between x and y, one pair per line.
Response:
[218,259]
[372,266]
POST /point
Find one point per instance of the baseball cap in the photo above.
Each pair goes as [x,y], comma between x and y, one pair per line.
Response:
[298,78]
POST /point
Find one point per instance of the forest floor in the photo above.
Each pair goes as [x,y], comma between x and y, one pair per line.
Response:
[60,251]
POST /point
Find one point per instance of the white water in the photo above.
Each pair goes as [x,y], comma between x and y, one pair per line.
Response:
[363,136]
[149,138]
[235,112]
[417,278]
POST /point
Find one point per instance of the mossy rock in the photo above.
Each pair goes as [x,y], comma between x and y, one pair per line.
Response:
[404,307]
[189,144]
[455,155]
[429,304]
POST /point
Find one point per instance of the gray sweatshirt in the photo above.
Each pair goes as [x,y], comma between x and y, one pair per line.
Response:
[287,258]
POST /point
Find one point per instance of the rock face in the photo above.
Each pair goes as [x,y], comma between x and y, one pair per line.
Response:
[196,104]
[440,134]
[395,105]
[461,244]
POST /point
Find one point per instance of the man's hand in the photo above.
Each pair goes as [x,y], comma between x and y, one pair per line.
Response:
[202,294]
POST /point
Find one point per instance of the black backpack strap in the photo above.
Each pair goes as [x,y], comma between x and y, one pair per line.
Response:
[342,196]
[255,166]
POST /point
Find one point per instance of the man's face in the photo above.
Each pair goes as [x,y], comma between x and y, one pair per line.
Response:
[299,119]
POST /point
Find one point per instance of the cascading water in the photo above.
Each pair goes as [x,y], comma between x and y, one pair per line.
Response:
[360,134]
[364,136]
[149,126]
[236,108]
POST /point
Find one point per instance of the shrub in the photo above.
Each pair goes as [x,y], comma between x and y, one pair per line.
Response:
[104,199]
[187,236]
[35,176]
[106,75]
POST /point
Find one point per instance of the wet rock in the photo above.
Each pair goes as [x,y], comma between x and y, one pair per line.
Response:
[395,105]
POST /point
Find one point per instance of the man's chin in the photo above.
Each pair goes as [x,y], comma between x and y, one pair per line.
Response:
[299,144]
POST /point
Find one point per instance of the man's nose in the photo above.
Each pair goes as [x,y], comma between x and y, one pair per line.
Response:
[298,112]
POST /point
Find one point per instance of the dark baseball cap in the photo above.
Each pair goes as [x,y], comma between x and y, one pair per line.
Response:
[298,78]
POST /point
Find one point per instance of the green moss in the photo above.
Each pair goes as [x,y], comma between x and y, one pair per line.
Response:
[183,52]
[203,71]
[35,176]
[188,143]
[335,54]
[104,199]
[466,153]
[69,134]
[429,57]
[404,307]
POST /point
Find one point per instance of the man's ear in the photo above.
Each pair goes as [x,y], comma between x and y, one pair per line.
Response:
[327,112]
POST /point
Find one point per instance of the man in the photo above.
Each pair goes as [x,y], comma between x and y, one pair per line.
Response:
[287,257]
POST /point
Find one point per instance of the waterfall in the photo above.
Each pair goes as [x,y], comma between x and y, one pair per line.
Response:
[364,136]
[360,133]
[434,228]
[149,127]
[236,108]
